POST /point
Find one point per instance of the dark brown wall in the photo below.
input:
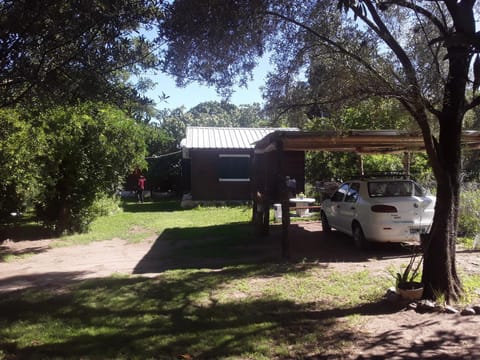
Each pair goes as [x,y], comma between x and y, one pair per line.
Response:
[204,177]
[272,167]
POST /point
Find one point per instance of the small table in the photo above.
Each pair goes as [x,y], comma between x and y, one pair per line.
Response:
[301,204]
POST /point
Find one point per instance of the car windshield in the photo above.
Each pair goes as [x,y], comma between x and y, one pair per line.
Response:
[393,188]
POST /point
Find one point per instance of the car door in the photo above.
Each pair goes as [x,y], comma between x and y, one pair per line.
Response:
[347,209]
[335,206]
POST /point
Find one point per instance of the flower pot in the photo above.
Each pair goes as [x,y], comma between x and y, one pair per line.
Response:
[410,290]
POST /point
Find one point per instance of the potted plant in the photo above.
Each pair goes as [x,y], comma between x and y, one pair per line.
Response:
[406,282]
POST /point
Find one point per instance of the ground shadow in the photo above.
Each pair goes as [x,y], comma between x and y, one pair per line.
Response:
[211,247]
[307,241]
[41,280]
[443,344]
[164,205]
[6,251]
[163,319]
[233,244]
[24,230]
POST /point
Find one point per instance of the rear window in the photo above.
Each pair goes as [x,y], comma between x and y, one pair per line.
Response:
[393,188]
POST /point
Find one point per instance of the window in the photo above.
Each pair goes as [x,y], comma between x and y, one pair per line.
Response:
[340,193]
[234,167]
[390,188]
[352,194]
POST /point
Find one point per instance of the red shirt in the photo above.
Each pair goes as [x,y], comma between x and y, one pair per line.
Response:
[141,183]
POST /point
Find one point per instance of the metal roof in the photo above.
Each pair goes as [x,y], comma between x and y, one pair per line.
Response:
[203,137]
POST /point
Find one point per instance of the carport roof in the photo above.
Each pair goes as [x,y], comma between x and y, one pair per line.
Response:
[359,141]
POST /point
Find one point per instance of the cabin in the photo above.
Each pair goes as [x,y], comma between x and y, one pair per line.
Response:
[218,162]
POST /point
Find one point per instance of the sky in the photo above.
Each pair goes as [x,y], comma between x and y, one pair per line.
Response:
[194,93]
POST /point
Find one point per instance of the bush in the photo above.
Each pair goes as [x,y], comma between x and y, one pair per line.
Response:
[469,213]
[105,205]
[91,148]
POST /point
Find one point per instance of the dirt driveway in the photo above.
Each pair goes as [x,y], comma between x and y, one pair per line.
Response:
[386,334]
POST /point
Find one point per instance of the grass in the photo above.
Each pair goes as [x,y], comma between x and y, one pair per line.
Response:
[13,257]
[244,310]
[139,221]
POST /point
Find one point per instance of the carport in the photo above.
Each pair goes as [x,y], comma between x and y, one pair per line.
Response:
[270,171]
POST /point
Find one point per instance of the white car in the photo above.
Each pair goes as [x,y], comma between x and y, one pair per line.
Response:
[379,209]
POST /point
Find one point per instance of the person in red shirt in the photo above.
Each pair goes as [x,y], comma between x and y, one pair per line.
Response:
[140,188]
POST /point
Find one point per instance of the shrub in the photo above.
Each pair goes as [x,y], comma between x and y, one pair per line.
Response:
[469,212]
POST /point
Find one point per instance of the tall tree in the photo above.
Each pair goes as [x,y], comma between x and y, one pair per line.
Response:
[59,51]
[418,52]
[210,113]
[89,149]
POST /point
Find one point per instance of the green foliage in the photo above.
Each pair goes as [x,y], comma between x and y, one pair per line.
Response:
[90,150]
[211,113]
[105,205]
[469,212]
[325,166]
[59,52]
[20,145]
[411,272]
[372,114]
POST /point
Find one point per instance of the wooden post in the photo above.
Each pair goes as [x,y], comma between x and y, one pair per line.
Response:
[283,192]
[361,168]
[406,162]
[285,222]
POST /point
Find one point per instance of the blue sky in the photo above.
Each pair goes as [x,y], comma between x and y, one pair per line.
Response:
[194,94]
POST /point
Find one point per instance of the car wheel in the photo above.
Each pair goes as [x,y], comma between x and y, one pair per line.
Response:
[325,225]
[359,238]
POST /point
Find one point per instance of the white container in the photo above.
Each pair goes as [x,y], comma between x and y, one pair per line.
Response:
[277,209]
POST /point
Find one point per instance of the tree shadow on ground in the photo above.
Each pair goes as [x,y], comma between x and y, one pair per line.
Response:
[232,244]
[23,230]
[211,247]
[152,206]
[6,251]
[452,343]
[46,280]
[179,314]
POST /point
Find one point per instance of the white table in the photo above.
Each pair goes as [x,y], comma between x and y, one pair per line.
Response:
[300,204]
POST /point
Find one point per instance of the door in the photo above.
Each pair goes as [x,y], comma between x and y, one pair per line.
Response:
[347,209]
[335,207]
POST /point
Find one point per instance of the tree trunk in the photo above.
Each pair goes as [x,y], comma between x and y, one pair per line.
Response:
[439,271]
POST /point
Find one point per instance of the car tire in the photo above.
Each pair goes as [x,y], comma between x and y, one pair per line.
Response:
[359,237]
[325,225]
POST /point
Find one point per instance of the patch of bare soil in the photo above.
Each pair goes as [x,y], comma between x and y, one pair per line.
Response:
[390,331]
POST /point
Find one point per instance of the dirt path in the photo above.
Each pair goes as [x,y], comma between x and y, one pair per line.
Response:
[57,266]
[385,334]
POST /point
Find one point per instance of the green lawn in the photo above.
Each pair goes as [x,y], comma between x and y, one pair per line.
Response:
[268,310]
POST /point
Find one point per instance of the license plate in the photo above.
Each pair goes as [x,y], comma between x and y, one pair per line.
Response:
[417,230]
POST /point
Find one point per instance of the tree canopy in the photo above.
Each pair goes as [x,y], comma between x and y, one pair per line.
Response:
[64,51]
[422,53]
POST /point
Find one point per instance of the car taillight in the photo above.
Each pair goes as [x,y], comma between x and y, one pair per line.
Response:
[384,209]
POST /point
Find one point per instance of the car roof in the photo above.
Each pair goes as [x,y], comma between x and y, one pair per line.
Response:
[382,176]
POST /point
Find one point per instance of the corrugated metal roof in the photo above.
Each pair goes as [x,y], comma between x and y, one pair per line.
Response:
[202,137]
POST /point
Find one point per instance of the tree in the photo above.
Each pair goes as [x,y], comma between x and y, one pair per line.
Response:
[370,114]
[417,52]
[210,113]
[90,148]
[61,51]
[20,146]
